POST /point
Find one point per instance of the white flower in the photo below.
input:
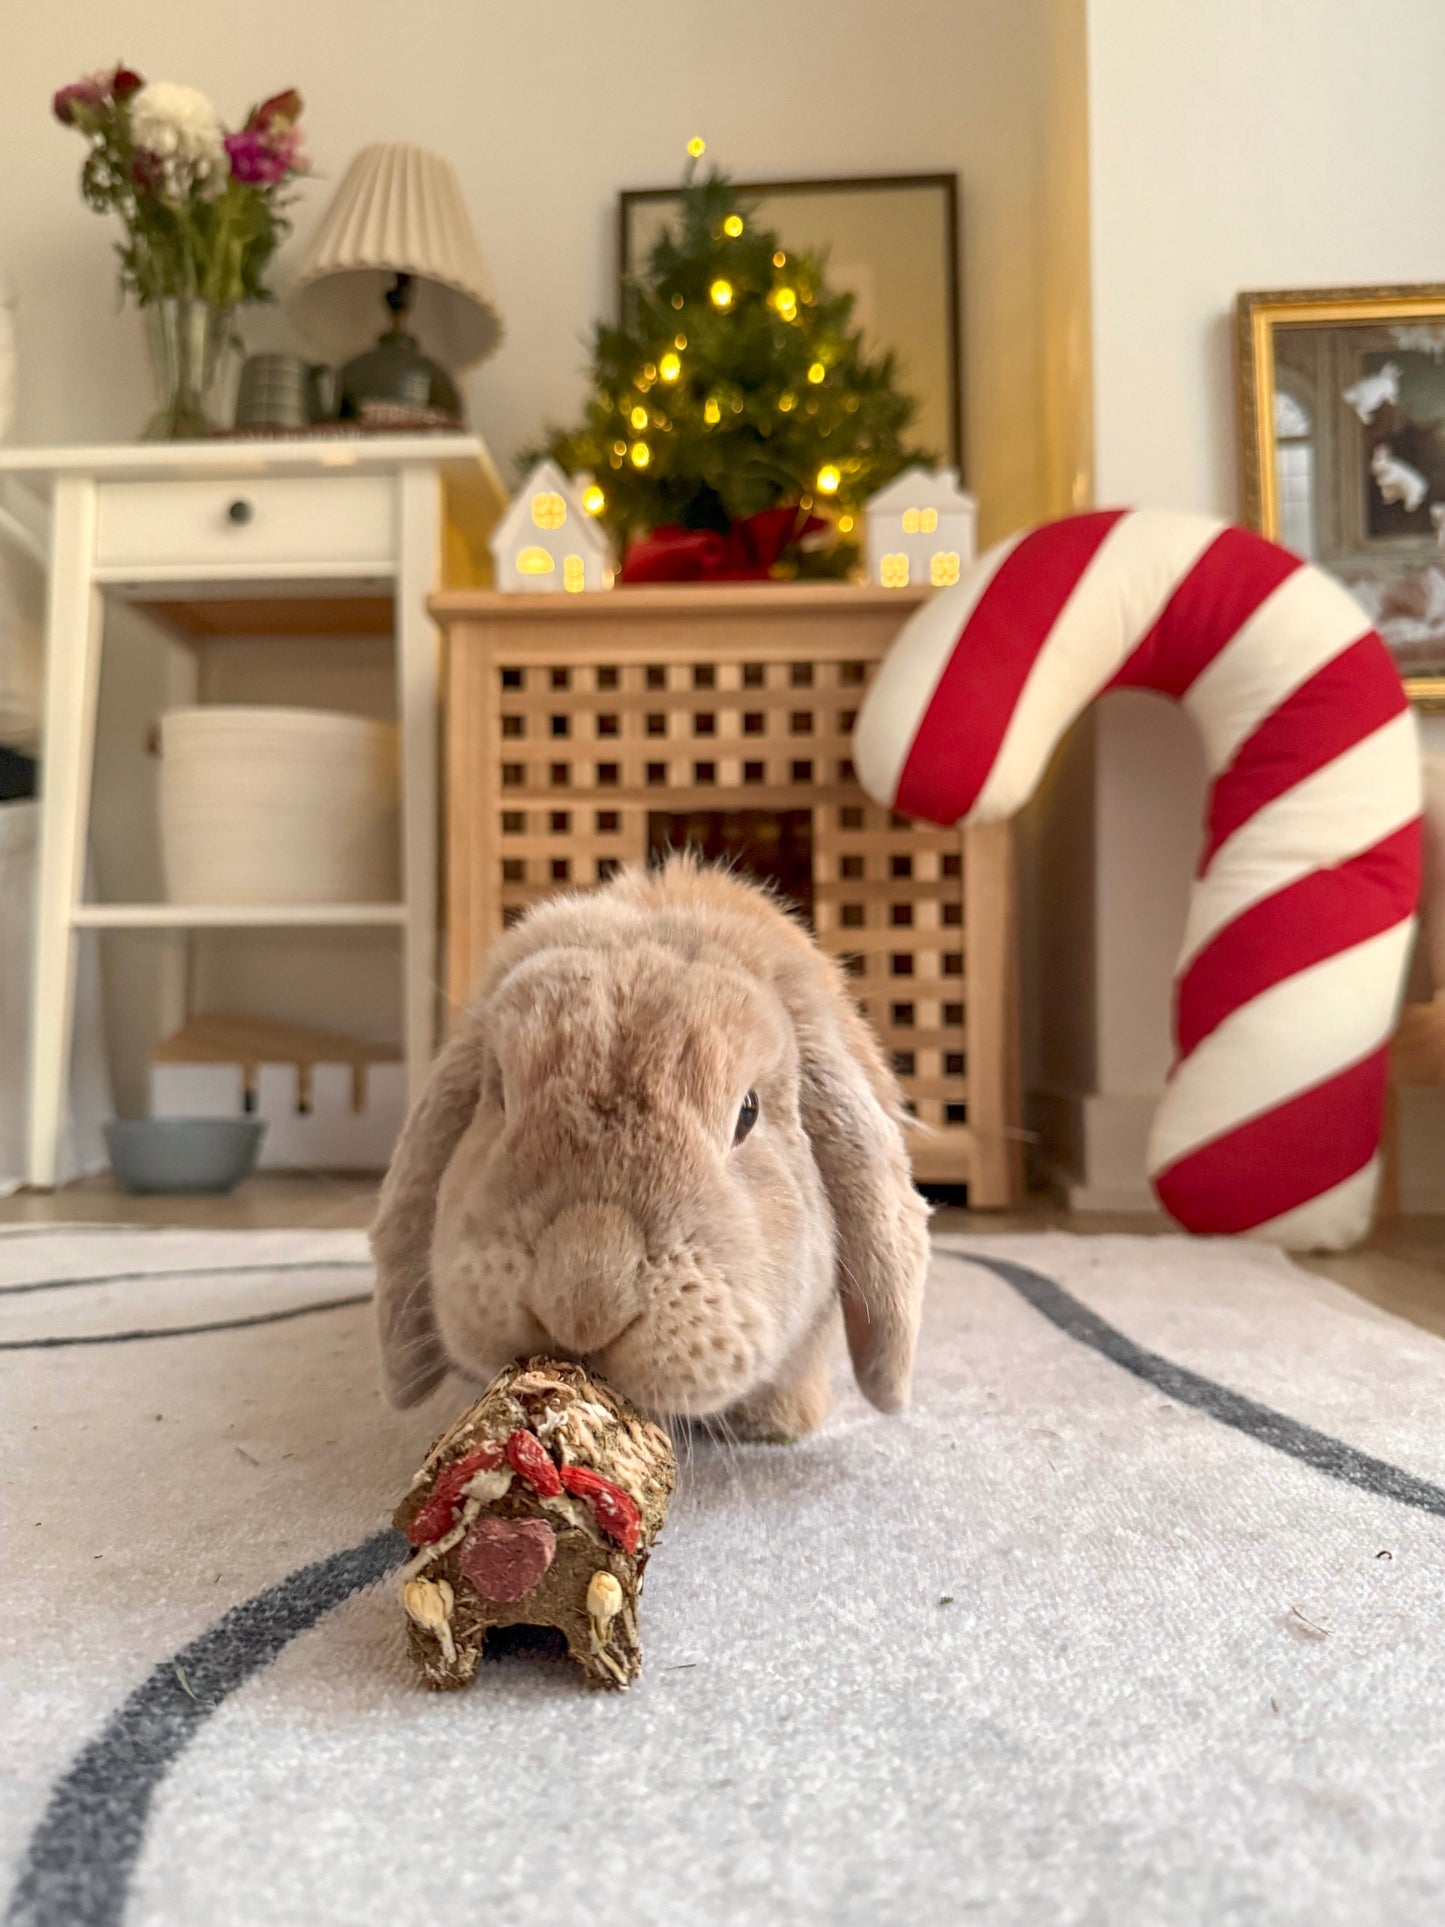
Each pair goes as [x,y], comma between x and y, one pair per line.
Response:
[182,129]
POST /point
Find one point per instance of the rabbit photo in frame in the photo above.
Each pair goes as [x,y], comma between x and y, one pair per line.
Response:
[661,1140]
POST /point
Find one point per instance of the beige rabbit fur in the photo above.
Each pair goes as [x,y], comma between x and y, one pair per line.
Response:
[569,1180]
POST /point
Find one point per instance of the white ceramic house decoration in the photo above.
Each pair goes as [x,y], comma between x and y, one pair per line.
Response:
[548,541]
[921,530]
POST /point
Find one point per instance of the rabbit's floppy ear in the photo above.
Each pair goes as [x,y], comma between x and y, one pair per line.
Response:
[413,1361]
[852,1115]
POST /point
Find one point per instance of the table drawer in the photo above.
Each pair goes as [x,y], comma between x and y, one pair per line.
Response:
[326,519]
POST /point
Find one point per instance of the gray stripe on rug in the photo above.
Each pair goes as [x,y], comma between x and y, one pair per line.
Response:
[1316,1449]
[262,1268]
[184,1331]
[78,1866]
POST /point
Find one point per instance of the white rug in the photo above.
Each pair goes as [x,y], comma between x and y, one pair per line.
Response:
[1136,1618]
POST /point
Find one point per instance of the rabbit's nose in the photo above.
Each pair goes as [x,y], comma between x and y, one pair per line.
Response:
[587,1276]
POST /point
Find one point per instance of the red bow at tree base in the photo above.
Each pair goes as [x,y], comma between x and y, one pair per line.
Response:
[747,552]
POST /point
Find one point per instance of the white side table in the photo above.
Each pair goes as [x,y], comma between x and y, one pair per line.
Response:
[189,528]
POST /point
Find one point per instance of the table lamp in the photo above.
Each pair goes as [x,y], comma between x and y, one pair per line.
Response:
[398,233]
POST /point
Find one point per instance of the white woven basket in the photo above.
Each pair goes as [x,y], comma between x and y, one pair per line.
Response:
[265,806]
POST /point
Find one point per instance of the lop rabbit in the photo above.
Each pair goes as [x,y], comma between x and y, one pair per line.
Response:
[662,1141]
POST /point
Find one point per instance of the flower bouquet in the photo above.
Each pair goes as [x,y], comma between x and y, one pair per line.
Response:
[203,212]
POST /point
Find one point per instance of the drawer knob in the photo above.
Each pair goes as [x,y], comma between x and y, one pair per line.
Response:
[240,511]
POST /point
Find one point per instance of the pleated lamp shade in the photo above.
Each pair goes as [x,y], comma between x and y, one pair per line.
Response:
[399,210]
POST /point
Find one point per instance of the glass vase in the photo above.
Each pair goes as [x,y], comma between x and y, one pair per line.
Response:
[188,340]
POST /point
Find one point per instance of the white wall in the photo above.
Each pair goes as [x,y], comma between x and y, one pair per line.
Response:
[1239,144]
[546,113]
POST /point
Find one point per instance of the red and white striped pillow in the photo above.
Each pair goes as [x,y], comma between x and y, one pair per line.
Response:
[1302,912]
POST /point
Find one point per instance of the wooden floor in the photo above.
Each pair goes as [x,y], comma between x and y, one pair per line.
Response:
[1401,1268]
[272,1200]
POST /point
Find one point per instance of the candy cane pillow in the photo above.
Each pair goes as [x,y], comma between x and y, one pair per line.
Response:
[1302,912]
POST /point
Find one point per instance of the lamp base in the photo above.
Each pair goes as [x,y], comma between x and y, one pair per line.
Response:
[395,381]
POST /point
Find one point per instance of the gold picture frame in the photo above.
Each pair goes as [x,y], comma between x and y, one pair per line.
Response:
[1333,364]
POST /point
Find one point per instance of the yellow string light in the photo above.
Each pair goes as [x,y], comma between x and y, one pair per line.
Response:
[641,454]
[649,371]
[817,372]
[638,418]
[711,412]
[721,294]
[677,301]
[828,479]
[785,300]
[845,523]
[669,367]
[593,500]
[780,260]
[679,341]
[619,448]
[733,226]
[697,147]
[787,400]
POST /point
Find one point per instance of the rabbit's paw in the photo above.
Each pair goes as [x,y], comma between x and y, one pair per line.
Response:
[781,1414]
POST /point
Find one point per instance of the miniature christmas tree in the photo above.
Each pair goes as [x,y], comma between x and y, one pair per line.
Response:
[736,387]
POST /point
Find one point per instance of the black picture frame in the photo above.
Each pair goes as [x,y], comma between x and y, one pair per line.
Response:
[950,294]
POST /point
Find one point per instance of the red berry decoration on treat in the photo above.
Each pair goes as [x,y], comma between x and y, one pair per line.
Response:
[611,1507]
[435,1517]
[506,1558]
[530,1460]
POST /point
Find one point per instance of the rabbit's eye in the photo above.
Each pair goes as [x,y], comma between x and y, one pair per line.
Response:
[747,1117]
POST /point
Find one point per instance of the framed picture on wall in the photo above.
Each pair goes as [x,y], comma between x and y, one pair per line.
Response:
[1342,413]
[891,241]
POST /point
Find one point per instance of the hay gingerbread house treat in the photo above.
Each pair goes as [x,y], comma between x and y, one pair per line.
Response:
[539,1507]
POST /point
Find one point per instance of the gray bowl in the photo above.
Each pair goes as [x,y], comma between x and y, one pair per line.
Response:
[183,1153]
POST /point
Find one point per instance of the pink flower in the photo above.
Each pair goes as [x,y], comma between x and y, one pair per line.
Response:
[73,104]
[268,147]
[263,159]
[85,97]
[277,115]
